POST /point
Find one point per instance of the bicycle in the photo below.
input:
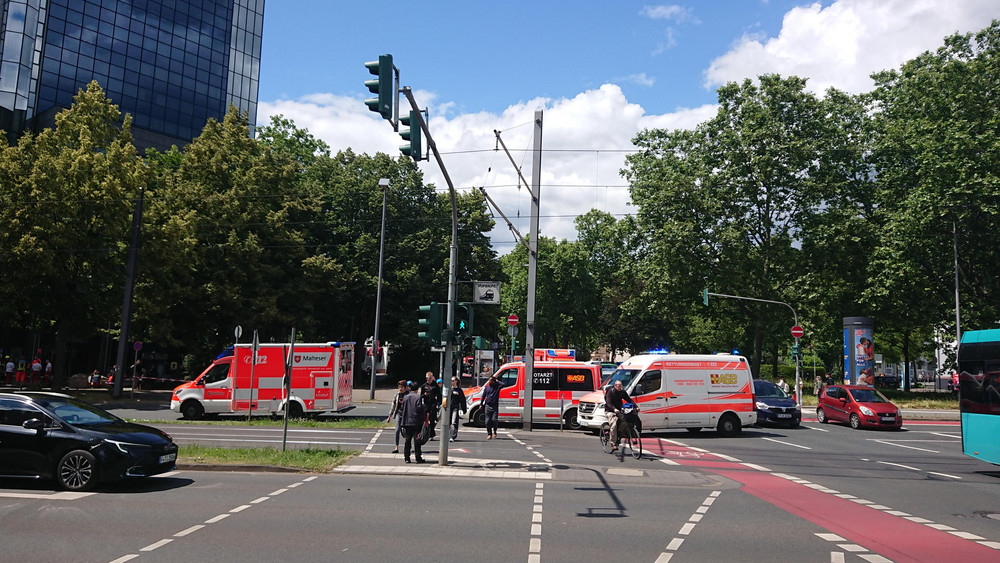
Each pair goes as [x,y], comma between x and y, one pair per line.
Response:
[630,433]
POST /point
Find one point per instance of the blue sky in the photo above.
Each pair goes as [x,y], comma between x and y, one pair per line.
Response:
[600,71]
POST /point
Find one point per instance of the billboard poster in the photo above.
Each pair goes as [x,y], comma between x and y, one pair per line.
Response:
[864,356]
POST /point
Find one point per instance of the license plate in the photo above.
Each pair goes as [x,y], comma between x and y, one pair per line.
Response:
[168,458]
[784,415]
[888,419]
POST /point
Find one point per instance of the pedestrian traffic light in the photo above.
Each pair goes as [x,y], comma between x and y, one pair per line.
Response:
[796,350]
[414,149]
[382,86]
[431,322]
[481,343]
[463,320]
[704,296]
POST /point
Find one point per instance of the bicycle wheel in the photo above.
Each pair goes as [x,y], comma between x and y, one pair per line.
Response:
[634,442]
[606,438]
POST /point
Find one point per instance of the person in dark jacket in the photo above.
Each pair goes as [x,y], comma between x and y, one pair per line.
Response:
[456,405]
[413,416]
[396,412]
[431,394]
[491,404]
[614,399]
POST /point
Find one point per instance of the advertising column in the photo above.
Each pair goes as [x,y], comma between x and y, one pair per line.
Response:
[859,350]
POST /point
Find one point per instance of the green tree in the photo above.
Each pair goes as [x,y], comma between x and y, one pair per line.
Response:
[721,206]
[938,150]
[67,197]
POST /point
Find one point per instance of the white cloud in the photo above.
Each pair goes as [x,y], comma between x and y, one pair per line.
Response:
[667,12]
[843,44]
[585,141]
[641,79]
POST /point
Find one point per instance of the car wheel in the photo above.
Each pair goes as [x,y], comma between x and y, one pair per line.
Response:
[572,420]
[729,426]
[478,417]
[294,409]
[77,471]
[821,416]
[192,410]
[855,421]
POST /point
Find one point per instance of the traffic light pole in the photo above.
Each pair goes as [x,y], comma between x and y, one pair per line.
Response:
[445,420]
[798,377]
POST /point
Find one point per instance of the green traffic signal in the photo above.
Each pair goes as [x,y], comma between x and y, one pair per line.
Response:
[414,149]
[463,320]
[383,86]
[431,321]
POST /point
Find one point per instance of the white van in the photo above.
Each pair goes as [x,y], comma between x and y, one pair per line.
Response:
[682,391]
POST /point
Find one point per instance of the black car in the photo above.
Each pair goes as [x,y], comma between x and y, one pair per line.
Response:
[774,406]
[54,436]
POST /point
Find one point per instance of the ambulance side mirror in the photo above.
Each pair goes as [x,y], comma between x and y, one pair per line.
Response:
[200,383]
[638,389]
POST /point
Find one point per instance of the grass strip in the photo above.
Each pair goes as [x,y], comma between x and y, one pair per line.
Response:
[308,459]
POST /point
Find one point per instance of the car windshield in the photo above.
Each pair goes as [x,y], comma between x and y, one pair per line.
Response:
[868,396]
[624,375]
[75,412]
[763,388]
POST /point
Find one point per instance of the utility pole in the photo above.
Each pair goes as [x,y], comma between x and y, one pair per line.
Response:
[133,259]
[449,333]
[529,333]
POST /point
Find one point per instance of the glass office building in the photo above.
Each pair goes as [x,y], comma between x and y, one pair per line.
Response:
[171,64]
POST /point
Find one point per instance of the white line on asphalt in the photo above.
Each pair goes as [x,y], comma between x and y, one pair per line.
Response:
[944,475]
[278,492]
[814,428]
[218,518]
[899,465]
[787,444]
[190,530]
[888,443]
[687,528]
[153,546]
[125,558]
[371,443]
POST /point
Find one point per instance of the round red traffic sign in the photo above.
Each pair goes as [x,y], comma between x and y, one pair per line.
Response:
[512,320]
[797,331]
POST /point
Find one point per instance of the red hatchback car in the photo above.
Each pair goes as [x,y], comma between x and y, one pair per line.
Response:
[858,405]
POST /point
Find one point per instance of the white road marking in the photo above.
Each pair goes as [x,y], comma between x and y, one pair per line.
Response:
[153,546]
[687,528]
[888,443]
[898,465]
[788,443]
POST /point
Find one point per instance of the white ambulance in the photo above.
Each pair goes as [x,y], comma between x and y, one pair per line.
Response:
[682,391]
[322,379]
[557,387]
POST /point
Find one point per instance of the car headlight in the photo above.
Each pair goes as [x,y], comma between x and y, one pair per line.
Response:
[762,406]
[127,447]
[866,411]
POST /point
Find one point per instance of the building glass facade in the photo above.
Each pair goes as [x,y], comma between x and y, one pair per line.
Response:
[171,64]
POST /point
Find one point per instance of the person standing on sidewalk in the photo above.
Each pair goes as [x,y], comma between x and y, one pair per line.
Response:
[413,416]
[455,404]
[491,404]
[396,412]
[431,394]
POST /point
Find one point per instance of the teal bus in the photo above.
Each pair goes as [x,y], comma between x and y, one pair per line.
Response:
[979,394]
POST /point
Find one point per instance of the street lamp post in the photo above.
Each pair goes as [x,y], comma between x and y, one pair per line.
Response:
[384,184]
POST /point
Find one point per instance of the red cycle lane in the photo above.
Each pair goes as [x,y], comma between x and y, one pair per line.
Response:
[889,536]
[885,534]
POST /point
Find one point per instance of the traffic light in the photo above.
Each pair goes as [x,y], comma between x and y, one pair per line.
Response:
[431,322]
[414,149]
[463,320]
[481,343]
[383,86]
[796,350]
[704,296]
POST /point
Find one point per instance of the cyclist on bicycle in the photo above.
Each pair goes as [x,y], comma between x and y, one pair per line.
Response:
[614,397]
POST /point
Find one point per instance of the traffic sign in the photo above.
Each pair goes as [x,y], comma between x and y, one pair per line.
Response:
[512,320]
[137,345]
[797,331]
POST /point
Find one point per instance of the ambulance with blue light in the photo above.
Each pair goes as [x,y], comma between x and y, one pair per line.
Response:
[558,383]
[689,391]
